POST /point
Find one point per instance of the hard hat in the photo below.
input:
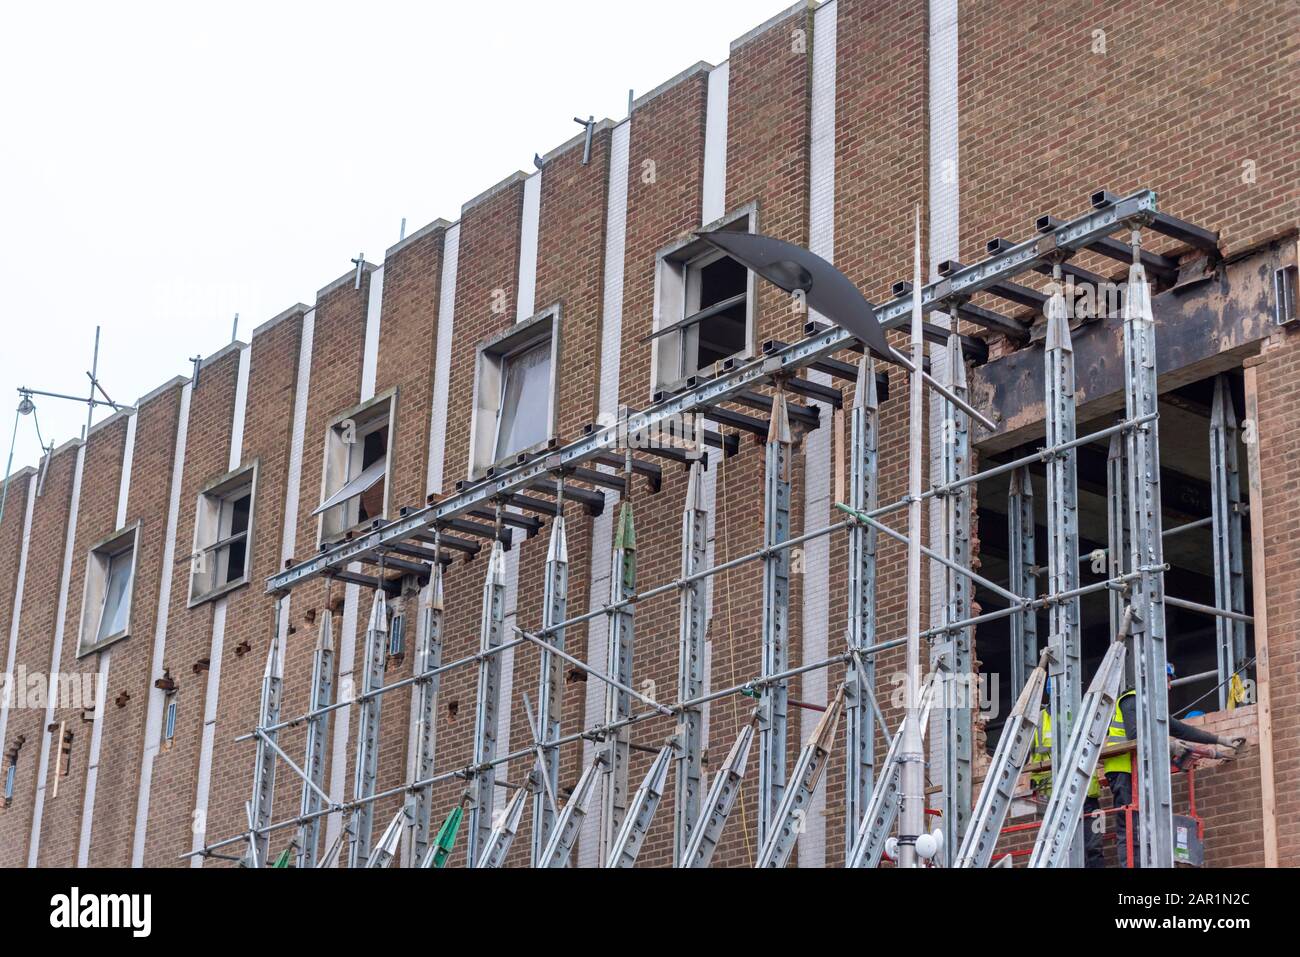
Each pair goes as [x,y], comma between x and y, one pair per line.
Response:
[1169,669]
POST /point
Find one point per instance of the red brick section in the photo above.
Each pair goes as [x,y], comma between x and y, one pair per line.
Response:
[122,738]
[35,641]
[1182,97]
[1278,371]
[250,613]
[96,520]
[338,344]
[189,630]
[570,271]
[881,150]
[488,260]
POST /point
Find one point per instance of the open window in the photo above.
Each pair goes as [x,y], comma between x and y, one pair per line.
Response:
[704,307]
[223,535]
[110,580]
[358,449]
[514,392]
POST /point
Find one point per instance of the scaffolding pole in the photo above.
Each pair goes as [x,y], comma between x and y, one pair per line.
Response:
[773,702]
[367,756]
[911,756]
[1062,532]
[631,835]
[951,652]
[703,841]
[688,774]
[322,689]
[488,703]
[263,802]
[1117,536]
[618,703]
[550,686]
[428,659]
[1021,530]
[860,678]
[1229,567]
[1147,560]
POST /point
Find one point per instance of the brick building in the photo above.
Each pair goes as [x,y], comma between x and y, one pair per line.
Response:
[139,554]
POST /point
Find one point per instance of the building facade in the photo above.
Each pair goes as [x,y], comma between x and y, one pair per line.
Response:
[139,555]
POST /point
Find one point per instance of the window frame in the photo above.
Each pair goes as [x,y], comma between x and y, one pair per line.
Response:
[224,489]
[677,269]
[382,406]
[492,361]
[98,574]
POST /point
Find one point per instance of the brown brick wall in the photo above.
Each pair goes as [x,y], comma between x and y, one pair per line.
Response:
[1181,97]
[122,738]
[189,630]
[35,643]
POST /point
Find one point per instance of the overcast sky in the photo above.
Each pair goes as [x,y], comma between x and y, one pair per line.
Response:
[164,166]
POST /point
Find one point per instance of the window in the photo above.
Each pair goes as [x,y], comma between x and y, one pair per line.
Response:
[11,768]
[223,529]
[106,607]
[514,407]
[703,307]
[358,448]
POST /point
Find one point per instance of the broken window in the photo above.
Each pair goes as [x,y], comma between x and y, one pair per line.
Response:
[514,407]
[223,535]
[106,606]
[703,308]
[357,453]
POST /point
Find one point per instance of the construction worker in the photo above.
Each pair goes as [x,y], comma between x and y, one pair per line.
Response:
[1119,767]
[1041,781]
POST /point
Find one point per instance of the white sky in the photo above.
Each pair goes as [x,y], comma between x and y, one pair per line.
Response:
[164,166]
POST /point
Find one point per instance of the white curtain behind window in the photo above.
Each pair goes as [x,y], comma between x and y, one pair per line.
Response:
[525,401]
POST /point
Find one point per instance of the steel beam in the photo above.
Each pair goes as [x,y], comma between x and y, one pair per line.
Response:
[322,696]
[618,703]
[1065,641]
[998,790]
[860,678]
[791,814]
[951,652]
[488,703]
[428,658]
[550,689]
[1147,560]
[631,834]
[1229,567]
[965,282]
[703,840]
[1072,773]
[1021,528]
[689,772]
[368,712]
[268,715]
[773,709]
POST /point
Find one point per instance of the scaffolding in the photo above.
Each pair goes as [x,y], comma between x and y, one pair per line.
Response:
[413,551]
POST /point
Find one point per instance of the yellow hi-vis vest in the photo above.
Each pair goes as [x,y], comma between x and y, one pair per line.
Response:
[1116,735]
[1042,751]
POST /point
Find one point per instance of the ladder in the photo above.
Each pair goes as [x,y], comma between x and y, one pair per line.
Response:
[791,813]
